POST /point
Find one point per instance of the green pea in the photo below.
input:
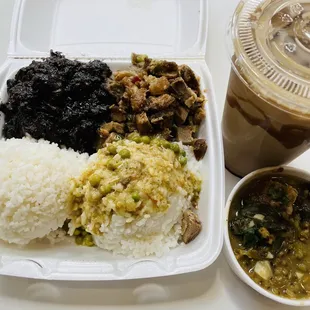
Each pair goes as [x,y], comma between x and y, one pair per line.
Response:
[77,232]
[135,196]
[166,144]
[112,164]
[175,147]
[134,136]
[183,160]
[79,240]
[105,189]
[112,149]
[183,153]
[145,140]
[137,139]
[88,240]
[94,179]
[124,153]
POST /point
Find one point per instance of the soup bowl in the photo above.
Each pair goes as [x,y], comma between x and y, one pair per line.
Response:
[228,250]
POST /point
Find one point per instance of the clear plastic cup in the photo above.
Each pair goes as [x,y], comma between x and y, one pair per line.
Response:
[266,120]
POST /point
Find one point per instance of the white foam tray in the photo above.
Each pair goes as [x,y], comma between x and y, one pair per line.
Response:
[70,262]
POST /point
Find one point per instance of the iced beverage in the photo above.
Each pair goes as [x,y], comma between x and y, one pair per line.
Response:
[266,120]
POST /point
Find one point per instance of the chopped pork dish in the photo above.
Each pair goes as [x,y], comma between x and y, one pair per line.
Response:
[157,97]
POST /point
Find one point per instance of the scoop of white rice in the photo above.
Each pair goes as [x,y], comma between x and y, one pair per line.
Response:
[153,234]
[34,184]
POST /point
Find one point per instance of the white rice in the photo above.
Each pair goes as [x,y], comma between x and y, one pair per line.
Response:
[54,237]
[192,164]
[34,184]
[153,234]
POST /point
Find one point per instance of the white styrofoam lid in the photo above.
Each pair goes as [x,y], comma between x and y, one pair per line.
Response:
[109,29]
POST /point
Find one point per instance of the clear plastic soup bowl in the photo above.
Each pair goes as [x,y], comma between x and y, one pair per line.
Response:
[110,31]
[266,120]
[228,251]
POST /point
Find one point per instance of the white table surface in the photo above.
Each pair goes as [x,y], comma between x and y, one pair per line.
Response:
[215,288]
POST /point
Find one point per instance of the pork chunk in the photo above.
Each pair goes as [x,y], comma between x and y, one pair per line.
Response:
[200,147]
[185,134]
[191,226]
[118,114]
[140,60]
[161,103]
[159,68]
[162,119]
[181,114]
[183,92]
[190,78]
[158,86]
[111,127]
[138,99]
[199,116]
[143,123]
[119,75]
[117,89]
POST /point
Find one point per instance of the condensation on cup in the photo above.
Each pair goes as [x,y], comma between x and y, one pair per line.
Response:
[266,120]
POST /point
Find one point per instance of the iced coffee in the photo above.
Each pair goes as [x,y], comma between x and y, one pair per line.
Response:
[266,120]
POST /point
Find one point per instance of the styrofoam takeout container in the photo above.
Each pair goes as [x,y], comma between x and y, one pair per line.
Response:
[110,31]
[228,251]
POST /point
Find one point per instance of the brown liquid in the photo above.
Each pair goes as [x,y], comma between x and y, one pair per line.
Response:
[258,134]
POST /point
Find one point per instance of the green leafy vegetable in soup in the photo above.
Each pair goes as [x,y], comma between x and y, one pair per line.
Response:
[269,224]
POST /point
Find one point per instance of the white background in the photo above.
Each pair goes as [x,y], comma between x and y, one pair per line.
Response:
[215,288]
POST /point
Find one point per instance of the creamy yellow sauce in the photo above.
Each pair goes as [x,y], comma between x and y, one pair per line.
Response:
[130,179]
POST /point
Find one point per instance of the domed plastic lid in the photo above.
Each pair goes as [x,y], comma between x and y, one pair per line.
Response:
[272,50]
[109,29]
